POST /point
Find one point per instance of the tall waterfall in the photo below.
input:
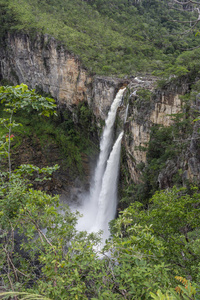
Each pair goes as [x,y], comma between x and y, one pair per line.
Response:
[107,201]
[100,206]
[105,148]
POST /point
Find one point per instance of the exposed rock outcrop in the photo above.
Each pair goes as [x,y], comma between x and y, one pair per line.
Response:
[143,114]
[43,63]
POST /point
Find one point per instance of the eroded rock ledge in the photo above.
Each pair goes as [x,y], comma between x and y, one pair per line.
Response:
[158,110]
[43,63]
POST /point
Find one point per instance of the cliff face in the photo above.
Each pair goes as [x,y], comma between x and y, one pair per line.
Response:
[43,63]
[158,110]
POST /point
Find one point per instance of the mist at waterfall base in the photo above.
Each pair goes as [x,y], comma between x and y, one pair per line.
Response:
[98,206]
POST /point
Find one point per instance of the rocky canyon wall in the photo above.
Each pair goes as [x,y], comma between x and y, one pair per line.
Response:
[159,110]
[43,63]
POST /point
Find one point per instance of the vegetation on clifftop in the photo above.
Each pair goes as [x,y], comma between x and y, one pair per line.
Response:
[154,252]
[111,37]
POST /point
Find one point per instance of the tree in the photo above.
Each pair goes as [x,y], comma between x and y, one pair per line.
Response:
[174,219]
[40,250]
[15,99]
[42,256]
[190,6]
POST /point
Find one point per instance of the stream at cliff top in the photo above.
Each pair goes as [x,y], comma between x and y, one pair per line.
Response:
[98,207]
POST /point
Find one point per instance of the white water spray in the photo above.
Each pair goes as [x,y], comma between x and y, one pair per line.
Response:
[126,113]
[107,203]
[105,147]
[134,93]
[100,206]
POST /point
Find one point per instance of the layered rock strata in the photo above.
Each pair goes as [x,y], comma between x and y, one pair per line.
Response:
[44,63]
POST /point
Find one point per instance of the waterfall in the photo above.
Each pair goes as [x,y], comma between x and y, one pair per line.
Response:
[100,205]
[105,147]
[126,113]
[107,202]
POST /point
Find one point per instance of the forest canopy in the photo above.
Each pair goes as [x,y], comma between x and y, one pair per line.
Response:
[111,37]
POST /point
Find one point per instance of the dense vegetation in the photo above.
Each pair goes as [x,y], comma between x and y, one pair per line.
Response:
[153,254]
[111,37]
[60,131]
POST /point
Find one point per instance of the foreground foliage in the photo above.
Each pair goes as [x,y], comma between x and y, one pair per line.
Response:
[44,129]
[153,254]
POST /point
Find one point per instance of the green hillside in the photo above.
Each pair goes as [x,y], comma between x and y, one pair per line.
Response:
[154,249]
[110,37]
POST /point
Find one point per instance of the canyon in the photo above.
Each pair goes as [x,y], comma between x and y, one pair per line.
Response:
[43,63]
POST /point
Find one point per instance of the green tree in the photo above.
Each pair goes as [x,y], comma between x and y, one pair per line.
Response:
[15,99]
[41,252]
[174,218]
[42,256]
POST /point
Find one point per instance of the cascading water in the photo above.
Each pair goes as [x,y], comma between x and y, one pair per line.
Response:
[107,202]
[126,113]
[100,206]
[105,147]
